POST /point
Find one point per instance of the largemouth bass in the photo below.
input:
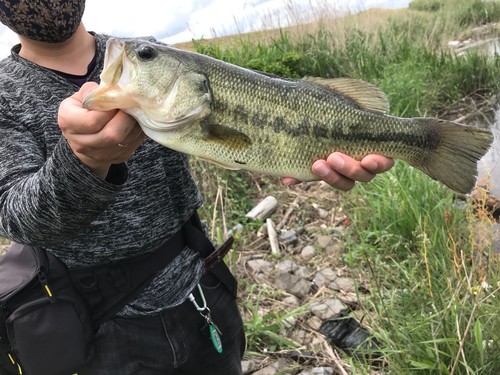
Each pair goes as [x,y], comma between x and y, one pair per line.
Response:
[243,119]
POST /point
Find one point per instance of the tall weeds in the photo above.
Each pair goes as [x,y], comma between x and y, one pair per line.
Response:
[428,257]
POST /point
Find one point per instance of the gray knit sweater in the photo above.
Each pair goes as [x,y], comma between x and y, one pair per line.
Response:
[48,198]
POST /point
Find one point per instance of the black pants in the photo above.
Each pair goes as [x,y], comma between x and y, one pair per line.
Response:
[177,342]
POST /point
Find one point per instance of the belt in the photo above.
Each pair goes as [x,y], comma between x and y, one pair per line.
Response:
[109,287]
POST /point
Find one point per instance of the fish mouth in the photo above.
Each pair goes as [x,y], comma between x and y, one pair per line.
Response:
[117,72]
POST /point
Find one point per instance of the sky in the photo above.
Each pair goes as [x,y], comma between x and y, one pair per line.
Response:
[174,21]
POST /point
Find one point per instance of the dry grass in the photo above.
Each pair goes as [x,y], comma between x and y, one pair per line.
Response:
[371,19]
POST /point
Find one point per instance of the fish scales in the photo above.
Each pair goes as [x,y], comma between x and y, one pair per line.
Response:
[238,118]
[266,108]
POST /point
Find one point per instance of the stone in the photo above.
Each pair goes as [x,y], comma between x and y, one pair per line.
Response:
[303,271]
[308,252]
[248,366]
[287,266]
[278,366]
[343,284]
[299,335]
[323,214]
[260,266]
[314,323]
[327,309]
[291,301]
[318,371]
[324,241]
[300,288]
[334,249]
[289,322]
[289,237]
[324,276]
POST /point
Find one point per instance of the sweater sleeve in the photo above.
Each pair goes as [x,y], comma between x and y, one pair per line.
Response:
[45,200]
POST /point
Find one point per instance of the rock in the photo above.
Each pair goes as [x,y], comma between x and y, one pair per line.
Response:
[324,241]
[327,309]
[260,266]
[304,272]
[314,323]
[293,284]
[289,237]
[284,279]
[289,322]
[299,335]
[324,277]
[278,366]
[291,301]
[343,284]
[323,214]
[318,371]
[300,288]
[248,366]
[308,252]
[335,248]
[287,266]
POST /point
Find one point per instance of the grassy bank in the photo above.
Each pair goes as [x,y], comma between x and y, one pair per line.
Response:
[434,278]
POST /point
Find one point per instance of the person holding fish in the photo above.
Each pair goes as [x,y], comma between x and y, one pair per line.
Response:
[89,187]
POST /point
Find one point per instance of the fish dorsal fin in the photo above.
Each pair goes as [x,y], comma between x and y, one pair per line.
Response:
[226,136]
[362,93]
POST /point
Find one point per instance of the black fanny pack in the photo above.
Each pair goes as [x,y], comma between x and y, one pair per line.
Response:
[48,313]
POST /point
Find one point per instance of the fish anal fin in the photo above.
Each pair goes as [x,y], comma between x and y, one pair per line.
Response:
[362,93]
[226,136]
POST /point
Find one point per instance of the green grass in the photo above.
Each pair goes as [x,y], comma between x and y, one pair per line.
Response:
[425,263]
[427,266]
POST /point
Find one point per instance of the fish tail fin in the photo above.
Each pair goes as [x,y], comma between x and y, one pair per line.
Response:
[454,161]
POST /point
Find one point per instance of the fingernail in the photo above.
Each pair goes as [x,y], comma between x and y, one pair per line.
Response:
[336,162]
[322,169]
[371,165]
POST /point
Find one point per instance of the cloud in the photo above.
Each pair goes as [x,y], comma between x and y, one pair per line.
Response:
[176,21]
[7,40]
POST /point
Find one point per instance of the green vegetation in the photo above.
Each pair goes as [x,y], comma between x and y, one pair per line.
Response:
[434,278]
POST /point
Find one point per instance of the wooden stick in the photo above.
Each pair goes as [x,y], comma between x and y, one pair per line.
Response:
[264,209]
[273,238]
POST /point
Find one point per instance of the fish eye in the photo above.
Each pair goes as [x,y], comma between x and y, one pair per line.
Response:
[146,52]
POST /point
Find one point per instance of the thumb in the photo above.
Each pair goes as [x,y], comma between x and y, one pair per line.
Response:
[87,88]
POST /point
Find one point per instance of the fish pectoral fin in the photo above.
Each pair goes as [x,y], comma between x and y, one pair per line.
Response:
[218,163]
[226,136]
[362,93]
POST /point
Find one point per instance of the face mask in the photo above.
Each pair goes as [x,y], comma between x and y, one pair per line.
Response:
[51,21]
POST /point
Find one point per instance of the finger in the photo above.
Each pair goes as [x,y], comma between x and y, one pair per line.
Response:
[124,152]
[74,119]
[332,177]
[289,181]
[377,163]
[349,167]
[135,133]
[116,130]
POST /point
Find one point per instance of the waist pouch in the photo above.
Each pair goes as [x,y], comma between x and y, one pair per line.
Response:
[48,313]
[45,326]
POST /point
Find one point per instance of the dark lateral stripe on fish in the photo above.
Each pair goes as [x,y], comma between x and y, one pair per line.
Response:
[334,132]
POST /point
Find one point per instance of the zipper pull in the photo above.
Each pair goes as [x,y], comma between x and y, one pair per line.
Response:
[43,280]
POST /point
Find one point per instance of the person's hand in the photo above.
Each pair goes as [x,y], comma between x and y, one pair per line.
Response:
[98,139]
[341,171]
